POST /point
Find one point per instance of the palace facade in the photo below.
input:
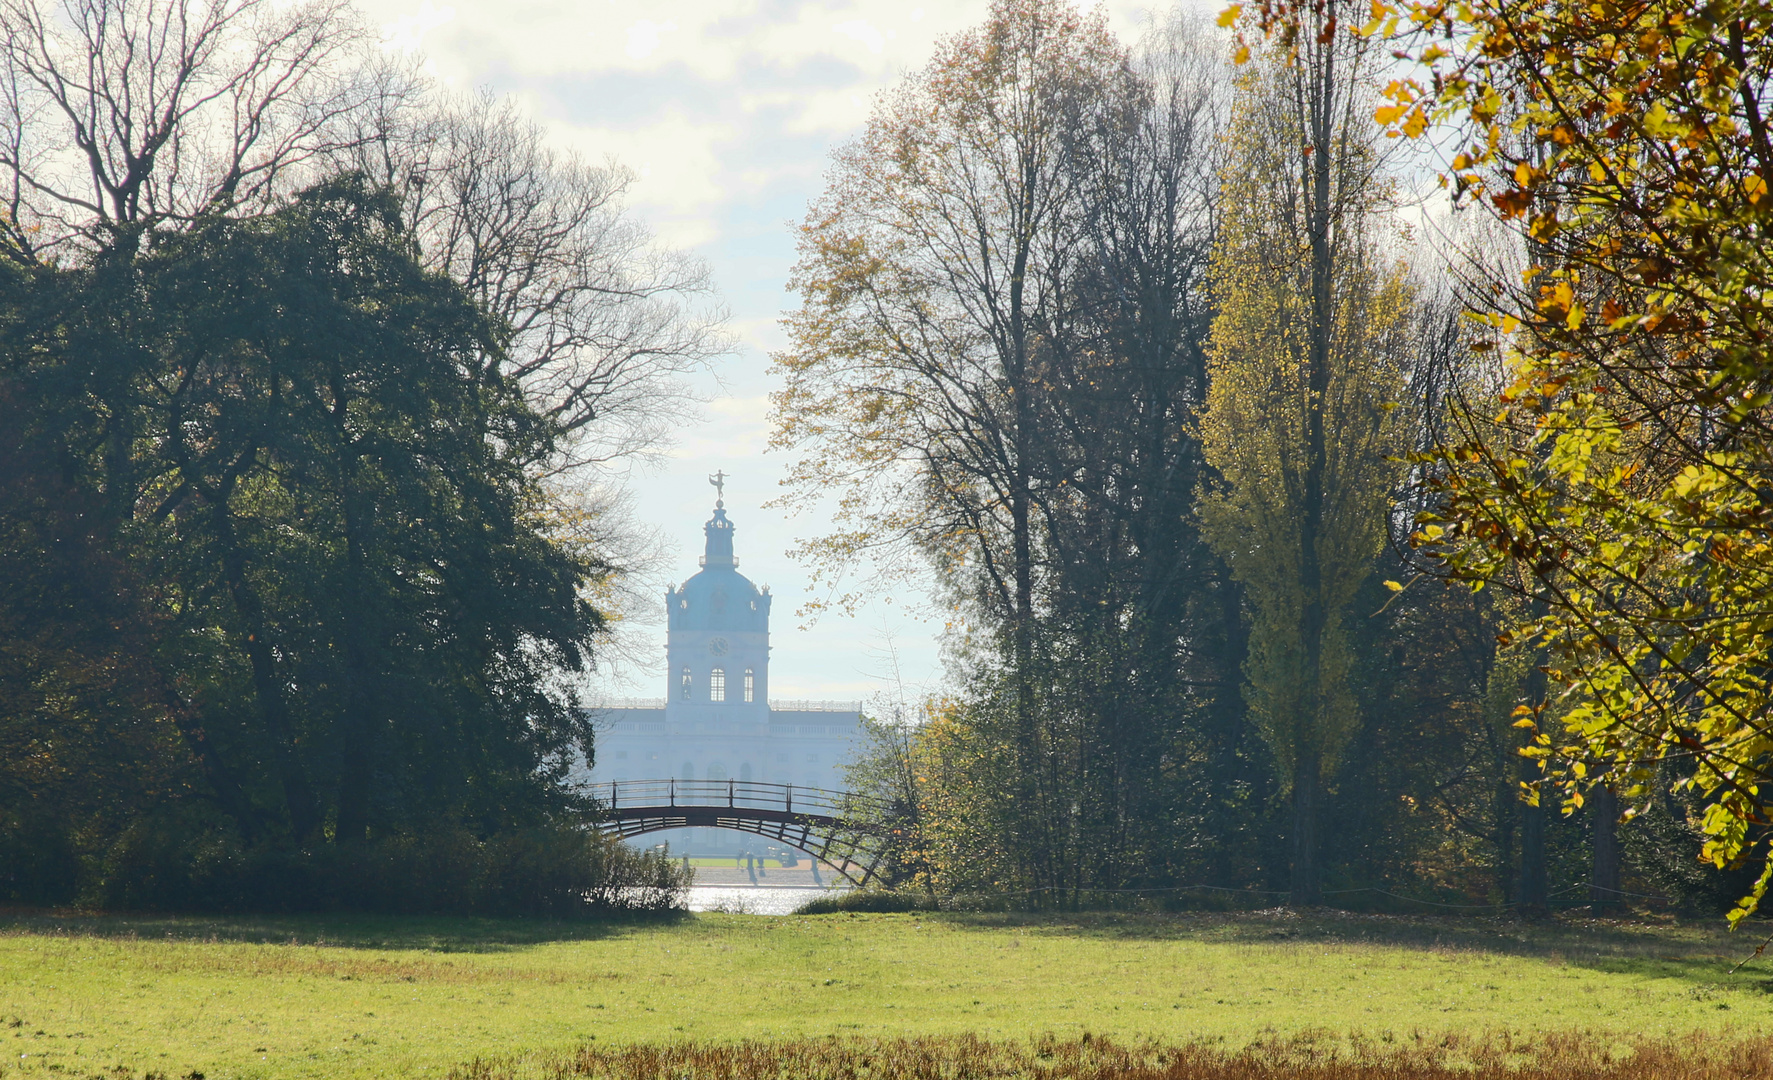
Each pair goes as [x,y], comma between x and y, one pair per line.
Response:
[717,721]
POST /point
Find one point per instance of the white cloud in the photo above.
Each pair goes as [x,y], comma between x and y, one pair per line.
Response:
[861,30]
[643,37]
[407,33]
[762,333]
[676,160]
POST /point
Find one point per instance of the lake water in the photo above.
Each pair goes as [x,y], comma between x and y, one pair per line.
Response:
[753,899]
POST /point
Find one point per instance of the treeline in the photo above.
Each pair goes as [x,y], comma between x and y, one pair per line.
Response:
[305,372]
[1137,349]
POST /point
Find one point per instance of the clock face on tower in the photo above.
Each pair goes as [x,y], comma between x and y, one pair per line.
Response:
[717,647]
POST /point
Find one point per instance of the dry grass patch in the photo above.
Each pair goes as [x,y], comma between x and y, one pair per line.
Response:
[1310,1056]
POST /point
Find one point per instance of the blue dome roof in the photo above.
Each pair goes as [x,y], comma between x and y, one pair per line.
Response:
[719,597]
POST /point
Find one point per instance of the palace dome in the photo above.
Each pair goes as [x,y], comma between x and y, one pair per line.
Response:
[719,597]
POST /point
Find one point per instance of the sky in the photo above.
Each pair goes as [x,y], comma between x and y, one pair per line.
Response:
[727,110]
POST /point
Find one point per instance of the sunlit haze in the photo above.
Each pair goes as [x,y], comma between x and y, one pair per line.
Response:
[727,111]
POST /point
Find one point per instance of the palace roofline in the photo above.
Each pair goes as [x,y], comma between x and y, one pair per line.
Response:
[774,706]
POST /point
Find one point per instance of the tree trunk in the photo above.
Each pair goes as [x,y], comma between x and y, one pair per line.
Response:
[1031,768]
[1506,799]
[1533,893]
[1033,765]
[221,778]
[354,724]
[355,770]
[1603,881]
[1533,897]
[1314,619]
[298,796]
[1307,795]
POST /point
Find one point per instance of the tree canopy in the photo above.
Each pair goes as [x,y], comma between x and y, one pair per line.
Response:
[317,383]
[1620,481]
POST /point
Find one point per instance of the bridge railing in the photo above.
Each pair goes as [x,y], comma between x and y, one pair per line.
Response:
[738,794]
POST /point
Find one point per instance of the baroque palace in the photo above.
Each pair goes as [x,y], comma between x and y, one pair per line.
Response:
[716,721]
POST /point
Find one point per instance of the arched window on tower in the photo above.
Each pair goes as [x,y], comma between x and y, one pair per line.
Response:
[717,685]
[750,685]
[686,684]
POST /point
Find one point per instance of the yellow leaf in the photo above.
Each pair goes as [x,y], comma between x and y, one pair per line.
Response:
[1756,189]
[1524,724]
[1388,114]
[1663,124]
[1416,124]
[1556,297]
[1230,14]
[1242,56]
[1394,586]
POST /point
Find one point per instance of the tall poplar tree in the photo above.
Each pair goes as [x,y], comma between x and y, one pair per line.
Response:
[1307,358]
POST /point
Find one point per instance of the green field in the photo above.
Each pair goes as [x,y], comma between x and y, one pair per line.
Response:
[360,997]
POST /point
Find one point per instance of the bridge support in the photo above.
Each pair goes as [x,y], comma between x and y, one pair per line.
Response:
[835,827]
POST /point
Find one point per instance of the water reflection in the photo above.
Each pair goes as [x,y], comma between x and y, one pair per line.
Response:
[754,899]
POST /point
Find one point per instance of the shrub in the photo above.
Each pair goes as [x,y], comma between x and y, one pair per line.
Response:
[868,900]
[543,870]
[39,863]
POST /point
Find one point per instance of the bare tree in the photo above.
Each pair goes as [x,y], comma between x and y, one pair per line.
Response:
[600,521]
[605,322]
[120,118]
[115,113]
[1131,592]
[934,276]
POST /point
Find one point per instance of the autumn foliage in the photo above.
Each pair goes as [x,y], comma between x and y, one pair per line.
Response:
[1620,483]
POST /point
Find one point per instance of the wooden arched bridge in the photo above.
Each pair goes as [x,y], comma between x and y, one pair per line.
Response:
[840,829]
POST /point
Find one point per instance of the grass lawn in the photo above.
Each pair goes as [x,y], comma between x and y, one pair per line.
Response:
[371,997]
